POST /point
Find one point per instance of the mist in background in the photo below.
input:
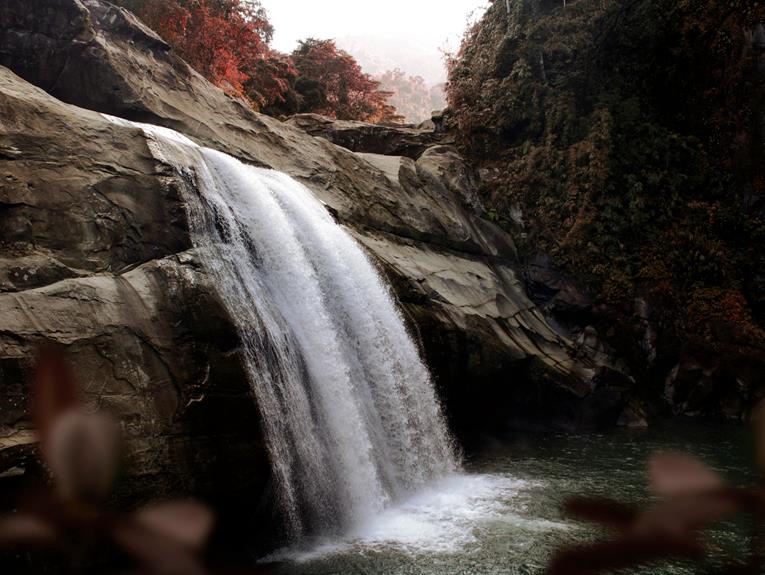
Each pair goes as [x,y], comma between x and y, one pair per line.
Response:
[407,34]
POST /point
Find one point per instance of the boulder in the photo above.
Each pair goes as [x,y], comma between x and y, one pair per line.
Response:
[706,383]
[389,140]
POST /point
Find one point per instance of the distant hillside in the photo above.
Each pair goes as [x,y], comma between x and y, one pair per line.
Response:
[412,97]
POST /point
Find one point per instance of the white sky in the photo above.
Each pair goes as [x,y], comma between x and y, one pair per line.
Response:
[424,25]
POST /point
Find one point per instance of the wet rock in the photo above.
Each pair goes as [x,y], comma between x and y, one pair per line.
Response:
[389,140]
[98,260]
[556,293]
[634,416]
[644,315]
[97,255]
[706,383]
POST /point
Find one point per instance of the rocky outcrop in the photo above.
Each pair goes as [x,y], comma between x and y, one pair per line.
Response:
[97,257]
[389,140]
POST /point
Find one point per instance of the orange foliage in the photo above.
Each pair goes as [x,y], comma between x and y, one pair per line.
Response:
[227,41]
[625,134]
[722,314]
[332,83]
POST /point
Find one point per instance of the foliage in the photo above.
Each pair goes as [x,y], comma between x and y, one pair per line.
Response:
[331,82]
[221,39]
[626,133]
[228,42]
[412,97]
[270,80]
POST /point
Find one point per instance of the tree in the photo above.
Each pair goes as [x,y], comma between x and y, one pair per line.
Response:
[227,41]
[636,159]
[412,97]
[270,82]
[332,83]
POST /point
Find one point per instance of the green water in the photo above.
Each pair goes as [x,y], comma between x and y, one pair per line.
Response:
[503,517]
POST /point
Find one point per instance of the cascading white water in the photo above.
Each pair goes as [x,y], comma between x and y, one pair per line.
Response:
[349,411]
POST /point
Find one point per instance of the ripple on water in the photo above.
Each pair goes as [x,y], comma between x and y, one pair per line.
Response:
[505,518]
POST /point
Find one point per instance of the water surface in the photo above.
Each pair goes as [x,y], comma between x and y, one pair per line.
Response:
[503,515]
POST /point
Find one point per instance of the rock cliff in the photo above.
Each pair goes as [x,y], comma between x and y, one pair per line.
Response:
[621,144]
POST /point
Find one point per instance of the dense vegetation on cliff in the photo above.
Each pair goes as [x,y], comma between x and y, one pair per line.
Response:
[624,138]
[228,42]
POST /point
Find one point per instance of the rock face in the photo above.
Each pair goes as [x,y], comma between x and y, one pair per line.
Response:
[97,256]
[406,141]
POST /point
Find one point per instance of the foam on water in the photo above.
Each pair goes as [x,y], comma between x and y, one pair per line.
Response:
[442,518]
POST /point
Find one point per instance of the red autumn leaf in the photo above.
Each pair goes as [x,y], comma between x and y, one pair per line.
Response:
[332,83]
[185,522]
[683,515]
[159,554]
[54,390]
[82,451]
[625,552]
[218,38]
[23,529]
[673,474]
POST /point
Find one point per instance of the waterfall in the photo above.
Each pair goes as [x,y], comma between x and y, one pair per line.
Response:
[349,411]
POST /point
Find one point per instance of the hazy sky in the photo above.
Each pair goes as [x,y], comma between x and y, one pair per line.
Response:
[424,26]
